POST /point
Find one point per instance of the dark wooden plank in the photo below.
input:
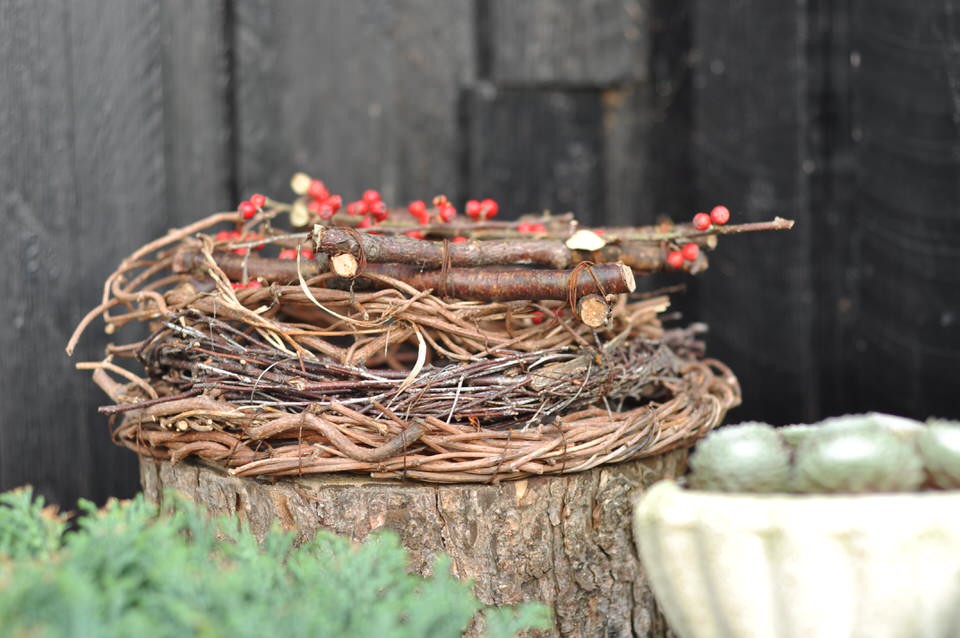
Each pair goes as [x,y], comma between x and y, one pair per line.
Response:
[197,109]
[533,150]
[362,94]
[834,225]
[628,156]
[81,171]
[589,42]
[906,85]
[648,127]
[669,144]
[751,149]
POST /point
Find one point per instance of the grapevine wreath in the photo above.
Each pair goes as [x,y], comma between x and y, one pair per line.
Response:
[316,337]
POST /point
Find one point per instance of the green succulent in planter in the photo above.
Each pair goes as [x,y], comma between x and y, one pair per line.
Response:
[794,435]
[836,559]
[852,454]
[939,447]
[748,457]
[855,457]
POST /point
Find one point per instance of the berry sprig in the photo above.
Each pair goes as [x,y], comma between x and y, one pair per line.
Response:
[482,210]
[720,215]
[688,252]
[531,227]
[253,283]
[290,253]
[419,211]
[225,236]
[445,210]
[371,207]
[322,202]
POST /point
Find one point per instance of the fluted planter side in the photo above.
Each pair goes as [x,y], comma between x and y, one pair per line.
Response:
[741,565]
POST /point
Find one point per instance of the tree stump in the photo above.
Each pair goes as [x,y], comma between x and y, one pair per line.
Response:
[564,540]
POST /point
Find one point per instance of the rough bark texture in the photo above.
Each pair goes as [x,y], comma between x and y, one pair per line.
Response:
[564,540]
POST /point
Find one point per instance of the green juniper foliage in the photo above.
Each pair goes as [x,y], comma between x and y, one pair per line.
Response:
[127,571]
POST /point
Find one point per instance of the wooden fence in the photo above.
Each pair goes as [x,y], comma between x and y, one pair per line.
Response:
[121,118]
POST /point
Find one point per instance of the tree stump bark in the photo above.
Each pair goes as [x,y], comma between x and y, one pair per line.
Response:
[564,540]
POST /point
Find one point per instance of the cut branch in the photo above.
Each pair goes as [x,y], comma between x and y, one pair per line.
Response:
[644,257]
[474,284]
[405,250]
[593,310]
[281,271]
[687,231]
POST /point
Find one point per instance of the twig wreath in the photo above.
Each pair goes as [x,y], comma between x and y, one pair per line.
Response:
[408,343]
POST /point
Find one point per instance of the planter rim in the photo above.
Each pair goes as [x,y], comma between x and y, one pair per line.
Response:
[896,513]
[799,498]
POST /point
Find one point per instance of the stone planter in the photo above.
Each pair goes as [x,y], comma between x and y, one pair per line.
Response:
[741,565]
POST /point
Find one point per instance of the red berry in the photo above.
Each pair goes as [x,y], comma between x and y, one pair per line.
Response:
[489,208]
[379,210]
[418,208]
[525,227]
[690,251]
[473,209]
[537,227]
[599,231]
[365,223]
[720,215]
[357,208]
[416,234]
[258,200]
[537,316]
[371,197]
[254,283]
[459,239]
[675,259]
[317,190]
[335,202]
[325,211]
[288,253]
[447,212]
[223,235]
[701,221]
[306,253]
[440,200]
[314,205]
[241,251]
[247,209]
[421,214]
[236,285]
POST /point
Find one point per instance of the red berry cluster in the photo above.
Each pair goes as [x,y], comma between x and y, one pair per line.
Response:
[290,253]
[371,207]
[445,210]
[249,207]
[321,201]
[689,252]
[531,227]
[720,215]
[481,210]
[236,235]
[419,211]
[253,283]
